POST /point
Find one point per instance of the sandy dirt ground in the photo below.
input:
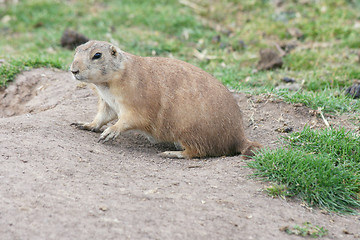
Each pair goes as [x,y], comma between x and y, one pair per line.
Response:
[58,182]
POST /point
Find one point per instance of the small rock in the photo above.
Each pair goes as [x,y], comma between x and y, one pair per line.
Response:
[269,59]
[288,80]
[103,208]
[71,39]
[354,90]
[284,129]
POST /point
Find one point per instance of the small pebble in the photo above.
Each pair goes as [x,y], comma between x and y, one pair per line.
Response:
[288,80]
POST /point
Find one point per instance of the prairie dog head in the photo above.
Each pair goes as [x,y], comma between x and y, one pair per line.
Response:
[96,62]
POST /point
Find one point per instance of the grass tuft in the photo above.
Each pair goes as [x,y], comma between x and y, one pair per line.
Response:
[277,190]
[307,229]
[321,167]
[329,100]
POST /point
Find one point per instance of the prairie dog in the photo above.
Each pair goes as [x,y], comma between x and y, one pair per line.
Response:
[168,99]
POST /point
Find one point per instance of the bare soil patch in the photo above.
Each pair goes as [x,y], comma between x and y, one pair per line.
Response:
[57,182]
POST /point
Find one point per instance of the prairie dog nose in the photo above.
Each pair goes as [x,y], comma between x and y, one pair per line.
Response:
[74,67]
[74,71]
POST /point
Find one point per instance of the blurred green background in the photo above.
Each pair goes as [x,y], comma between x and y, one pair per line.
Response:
[222,37]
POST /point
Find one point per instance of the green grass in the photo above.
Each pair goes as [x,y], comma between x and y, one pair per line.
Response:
[9,70]
[329,100]
[321,167]
[276,190]
[34,28]
[306,230]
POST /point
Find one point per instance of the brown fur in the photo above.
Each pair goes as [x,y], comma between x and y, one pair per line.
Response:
[171,100]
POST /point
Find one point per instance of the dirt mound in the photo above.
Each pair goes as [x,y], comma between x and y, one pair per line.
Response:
[33,92]
[59,183]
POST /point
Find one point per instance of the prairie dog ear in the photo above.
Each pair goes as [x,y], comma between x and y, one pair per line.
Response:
[113,51]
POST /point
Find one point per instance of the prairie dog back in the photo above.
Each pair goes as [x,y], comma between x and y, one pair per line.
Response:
[169,99]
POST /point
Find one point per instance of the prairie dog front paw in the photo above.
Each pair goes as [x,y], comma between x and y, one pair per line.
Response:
[86,126]
[109,134]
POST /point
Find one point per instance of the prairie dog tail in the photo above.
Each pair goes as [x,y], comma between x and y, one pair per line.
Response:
[248,149]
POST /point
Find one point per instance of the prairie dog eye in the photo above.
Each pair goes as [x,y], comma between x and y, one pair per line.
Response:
[96,56]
